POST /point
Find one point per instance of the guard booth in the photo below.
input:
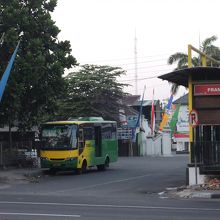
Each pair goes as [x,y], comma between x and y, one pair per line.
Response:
[204,107]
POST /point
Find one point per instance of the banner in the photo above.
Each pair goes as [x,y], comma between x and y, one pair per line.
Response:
[166,113]
[6,74]
[174,119]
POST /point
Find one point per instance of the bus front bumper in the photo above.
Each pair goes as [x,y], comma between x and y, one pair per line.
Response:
[68,163]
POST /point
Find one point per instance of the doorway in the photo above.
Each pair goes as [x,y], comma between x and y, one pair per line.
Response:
[98,141]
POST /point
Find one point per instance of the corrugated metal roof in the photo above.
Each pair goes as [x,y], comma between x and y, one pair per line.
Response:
[182,100]
[130,99]
[145,103]
[180,77]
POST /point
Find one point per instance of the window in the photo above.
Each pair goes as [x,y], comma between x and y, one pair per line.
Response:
[59,136]
[114,131]
[88,133]
[109,131]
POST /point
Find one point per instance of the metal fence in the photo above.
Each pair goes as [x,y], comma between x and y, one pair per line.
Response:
[22,153]
[206,155]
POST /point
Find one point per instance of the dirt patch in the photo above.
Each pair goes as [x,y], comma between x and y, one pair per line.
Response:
[17,176]
[211,183]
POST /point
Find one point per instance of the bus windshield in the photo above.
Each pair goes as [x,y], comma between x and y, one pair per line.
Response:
[59,137]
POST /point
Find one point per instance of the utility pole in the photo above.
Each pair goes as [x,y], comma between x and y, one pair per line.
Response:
[135,63]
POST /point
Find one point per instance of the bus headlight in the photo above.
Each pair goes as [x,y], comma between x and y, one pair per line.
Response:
[71,158]
[44,158]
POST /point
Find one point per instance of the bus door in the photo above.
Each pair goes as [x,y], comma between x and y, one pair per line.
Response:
[98,141]
[81,140]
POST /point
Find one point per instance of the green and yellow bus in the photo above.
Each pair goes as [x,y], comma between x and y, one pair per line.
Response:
[78,144]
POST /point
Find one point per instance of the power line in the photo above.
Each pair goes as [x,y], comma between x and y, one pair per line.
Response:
[145,73]
[146,61]
[147,67]
[130,58]
[149,87]
[150,77]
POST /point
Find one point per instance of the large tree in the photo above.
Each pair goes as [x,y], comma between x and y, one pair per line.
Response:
[93,91]
[36,81]
[181,59]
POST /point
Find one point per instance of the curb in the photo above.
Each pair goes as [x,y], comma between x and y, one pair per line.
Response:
[215,196]
[206,195]
[192,193]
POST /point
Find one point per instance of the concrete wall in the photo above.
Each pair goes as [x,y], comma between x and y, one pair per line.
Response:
[166,143]
[191,174]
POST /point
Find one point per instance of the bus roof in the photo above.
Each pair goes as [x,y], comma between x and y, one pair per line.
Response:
[77,122]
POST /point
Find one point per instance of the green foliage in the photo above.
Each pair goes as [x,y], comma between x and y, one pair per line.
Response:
[181,59]
[36,81]
[93,91]
[207,47]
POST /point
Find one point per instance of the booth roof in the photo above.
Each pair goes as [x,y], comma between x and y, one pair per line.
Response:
[180,77]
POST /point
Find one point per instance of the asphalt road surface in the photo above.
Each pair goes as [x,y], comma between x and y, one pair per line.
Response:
[129,189]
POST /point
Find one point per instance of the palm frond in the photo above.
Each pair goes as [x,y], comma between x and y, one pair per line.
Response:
[196,61]
[208,42]
[174,88]
[176,57]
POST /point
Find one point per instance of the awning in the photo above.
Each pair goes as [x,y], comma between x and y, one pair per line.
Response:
[180,77]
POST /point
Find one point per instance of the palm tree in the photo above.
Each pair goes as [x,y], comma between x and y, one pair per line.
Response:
[181,59]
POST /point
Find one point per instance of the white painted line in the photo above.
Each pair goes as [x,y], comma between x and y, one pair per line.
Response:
[112,206]
[38,214]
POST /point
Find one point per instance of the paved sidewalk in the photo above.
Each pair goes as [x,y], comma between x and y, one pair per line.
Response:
[19,175]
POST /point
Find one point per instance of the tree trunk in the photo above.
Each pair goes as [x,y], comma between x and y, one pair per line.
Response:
[10,134]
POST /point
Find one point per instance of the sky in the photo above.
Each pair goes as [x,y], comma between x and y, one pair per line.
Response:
[102,32]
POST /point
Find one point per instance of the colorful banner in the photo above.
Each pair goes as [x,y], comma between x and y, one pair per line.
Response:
[174,119]
[166,113]
[6,74]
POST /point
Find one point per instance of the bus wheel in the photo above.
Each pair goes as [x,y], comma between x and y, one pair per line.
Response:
[103,167]
[107,162]
[83,169]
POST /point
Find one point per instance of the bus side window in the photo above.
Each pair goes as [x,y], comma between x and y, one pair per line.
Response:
[114,131]
[80,140]
[88,133]
[107,131]
[73,136]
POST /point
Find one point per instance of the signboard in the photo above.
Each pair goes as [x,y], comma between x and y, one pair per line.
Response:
[193,118]
[207,89]
[124,133]
[182,125]
[181,137]
[132,121]
[176,135]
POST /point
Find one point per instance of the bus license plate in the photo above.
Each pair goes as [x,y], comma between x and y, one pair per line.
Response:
[56,165]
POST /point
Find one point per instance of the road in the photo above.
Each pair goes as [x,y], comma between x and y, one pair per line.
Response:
[130,189]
